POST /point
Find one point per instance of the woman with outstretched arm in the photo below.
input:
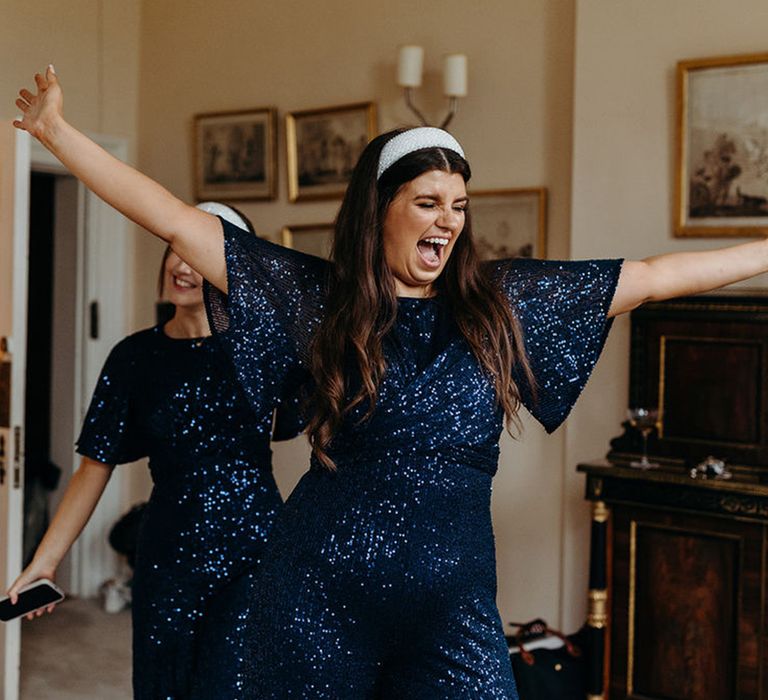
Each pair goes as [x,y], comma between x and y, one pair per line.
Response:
[378,579]
[194,235]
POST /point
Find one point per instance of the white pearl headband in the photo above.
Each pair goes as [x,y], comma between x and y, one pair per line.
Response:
[414,140]
[225,212]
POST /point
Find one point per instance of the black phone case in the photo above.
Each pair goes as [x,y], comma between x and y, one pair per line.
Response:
[29,600]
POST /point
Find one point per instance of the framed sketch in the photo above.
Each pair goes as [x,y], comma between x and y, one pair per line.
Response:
[323,146]
[235,155]
[510,223]
[721,167]
[314,239]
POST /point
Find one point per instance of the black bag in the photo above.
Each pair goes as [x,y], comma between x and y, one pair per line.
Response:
[548,674]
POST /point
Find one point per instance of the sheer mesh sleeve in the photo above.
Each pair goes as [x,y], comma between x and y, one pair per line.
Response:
[266,320]
[110,433]
[562,307]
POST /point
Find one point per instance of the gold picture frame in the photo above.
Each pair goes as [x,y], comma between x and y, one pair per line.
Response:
[721,158]
[509,223]
[322,147]
[314,239]
[235,155]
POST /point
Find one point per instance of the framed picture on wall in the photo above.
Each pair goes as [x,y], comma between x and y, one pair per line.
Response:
[721,165]
[235,155]
[510,223]
[314,239]
[323,146]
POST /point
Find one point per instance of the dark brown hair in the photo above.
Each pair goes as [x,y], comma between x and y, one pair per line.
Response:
[362,305]
[161,273]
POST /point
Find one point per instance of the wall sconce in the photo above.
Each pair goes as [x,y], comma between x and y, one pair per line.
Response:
[409,69]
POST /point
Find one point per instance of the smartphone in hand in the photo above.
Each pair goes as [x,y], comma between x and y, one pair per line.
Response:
[39,594]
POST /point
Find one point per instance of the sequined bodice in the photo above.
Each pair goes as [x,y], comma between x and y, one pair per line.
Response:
[276,301]
[176,401]
[434,398]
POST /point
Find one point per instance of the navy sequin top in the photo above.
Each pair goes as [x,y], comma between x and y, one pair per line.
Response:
[213,503]
[276,299]
[379,578]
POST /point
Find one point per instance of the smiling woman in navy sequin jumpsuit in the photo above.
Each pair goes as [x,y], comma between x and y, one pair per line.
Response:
[378,579]
[168,393]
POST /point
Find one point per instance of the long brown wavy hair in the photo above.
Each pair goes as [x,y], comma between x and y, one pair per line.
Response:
[362,305]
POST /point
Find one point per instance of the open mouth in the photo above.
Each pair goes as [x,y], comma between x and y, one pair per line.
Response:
[432,250]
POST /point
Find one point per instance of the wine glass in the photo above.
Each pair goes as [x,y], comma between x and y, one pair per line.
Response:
[645,420]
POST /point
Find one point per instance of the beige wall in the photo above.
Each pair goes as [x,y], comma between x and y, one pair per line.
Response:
[82,38]
[515,126]
[94,45]
[626,52]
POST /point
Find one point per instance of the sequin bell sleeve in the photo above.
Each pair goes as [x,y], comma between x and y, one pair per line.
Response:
[266,320]
[563,309]
[110,433]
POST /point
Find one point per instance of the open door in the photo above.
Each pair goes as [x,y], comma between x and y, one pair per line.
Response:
[14,226]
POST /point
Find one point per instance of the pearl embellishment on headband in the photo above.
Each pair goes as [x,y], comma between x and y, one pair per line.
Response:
[414,140]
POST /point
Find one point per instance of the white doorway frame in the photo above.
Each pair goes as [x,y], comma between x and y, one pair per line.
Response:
[102,252]
[14,219]
[103,257]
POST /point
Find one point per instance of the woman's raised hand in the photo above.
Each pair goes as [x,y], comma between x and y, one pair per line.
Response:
[40,110]
[195,235]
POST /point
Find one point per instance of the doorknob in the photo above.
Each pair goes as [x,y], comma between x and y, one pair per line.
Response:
[5,384]
[93,310]
[17,449]
[2,459]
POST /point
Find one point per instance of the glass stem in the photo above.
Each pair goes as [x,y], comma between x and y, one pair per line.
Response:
[644,460]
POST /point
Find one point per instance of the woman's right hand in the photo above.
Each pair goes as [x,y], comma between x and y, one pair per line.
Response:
[196,236]
[34,572]
[41,110]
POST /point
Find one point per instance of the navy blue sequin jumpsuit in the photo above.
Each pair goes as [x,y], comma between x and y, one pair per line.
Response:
[379,579]
[214,501]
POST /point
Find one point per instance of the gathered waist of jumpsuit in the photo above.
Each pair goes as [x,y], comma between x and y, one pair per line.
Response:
[172,472]
[484,458]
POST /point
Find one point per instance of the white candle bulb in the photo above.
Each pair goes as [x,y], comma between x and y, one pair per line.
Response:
[409,66]
[455,75]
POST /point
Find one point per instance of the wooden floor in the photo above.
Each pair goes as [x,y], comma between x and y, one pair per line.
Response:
[79,652]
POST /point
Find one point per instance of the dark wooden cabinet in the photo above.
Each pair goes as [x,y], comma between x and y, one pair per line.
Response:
[686,562]
[678,594]
[703,362]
